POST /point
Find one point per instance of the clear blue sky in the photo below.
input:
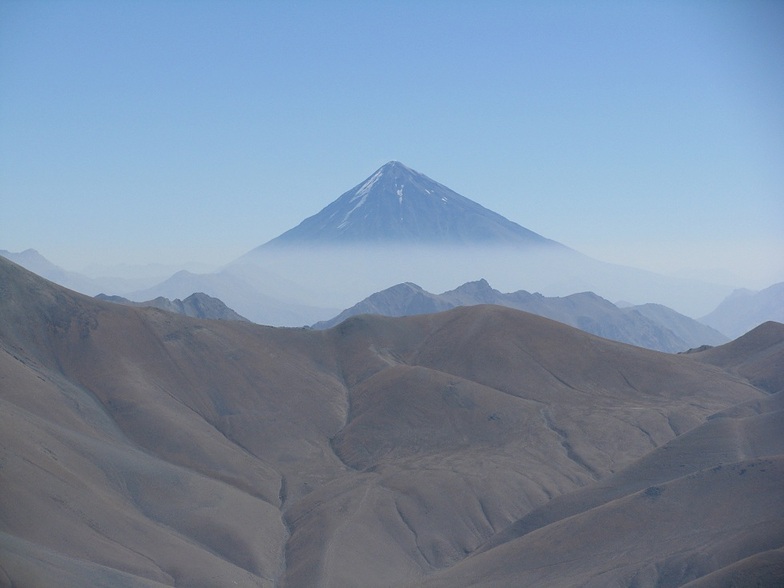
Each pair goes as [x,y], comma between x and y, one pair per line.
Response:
[648,133]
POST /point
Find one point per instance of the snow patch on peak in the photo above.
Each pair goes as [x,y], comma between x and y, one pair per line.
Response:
[400,194]
[363,190]
[361,195]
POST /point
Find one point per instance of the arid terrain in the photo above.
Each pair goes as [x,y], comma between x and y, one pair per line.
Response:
[481,446]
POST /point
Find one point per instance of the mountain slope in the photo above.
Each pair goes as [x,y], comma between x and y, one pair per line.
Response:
[743,310]
[693,525]
[156,449]
[651,326]
[400,300]
[756,356]
[399,205]
[691,332]
[734,462]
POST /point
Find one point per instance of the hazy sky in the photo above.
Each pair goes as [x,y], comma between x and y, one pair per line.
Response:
[647,133]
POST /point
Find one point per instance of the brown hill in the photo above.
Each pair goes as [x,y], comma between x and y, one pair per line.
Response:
[665,535]
[139,447]
[684,541]
[756,356]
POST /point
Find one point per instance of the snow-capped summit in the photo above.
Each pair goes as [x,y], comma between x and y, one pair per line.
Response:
[399,205]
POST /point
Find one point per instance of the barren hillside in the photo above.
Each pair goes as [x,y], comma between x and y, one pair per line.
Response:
[143,448]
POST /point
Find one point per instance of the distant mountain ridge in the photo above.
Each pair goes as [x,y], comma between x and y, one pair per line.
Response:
[652,326]
[744,309]
[197,305]
[35,262]
[399,205]
[261,296]
[113,282]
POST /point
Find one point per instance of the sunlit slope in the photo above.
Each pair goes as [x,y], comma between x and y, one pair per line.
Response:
[708,503]
[757,356]
[724,523]
[148,448]
[664,535]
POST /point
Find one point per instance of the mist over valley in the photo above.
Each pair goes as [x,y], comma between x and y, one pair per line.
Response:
[400,226]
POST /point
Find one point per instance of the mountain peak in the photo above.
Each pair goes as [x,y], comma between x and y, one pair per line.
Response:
[393,164]
[397,204]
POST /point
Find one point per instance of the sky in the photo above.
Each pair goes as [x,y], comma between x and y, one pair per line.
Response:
[644,133]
